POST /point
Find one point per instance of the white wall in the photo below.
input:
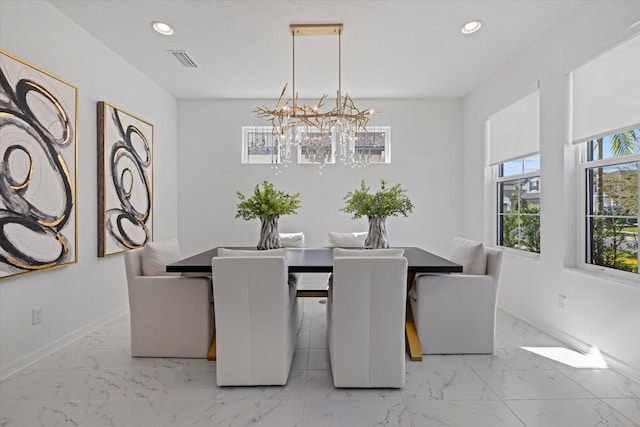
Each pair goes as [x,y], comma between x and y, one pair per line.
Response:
[426,149]
[601,312]
[81,297]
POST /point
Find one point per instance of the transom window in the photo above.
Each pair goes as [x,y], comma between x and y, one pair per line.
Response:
[369,146]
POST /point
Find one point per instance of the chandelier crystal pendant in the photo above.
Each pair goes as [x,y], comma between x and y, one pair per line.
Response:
[312,128]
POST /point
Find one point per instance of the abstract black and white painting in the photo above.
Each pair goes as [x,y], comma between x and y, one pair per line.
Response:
[125,181]
[38,162]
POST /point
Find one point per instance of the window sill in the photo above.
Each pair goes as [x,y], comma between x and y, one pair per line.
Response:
[516,253]
[603,273]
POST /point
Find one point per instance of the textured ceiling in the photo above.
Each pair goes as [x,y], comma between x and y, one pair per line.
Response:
[391,48]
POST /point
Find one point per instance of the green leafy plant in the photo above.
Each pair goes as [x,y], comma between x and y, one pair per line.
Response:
[385,202]
[267,202]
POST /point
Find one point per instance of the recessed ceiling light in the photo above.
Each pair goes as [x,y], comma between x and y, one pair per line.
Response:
[162,28]
[471,27]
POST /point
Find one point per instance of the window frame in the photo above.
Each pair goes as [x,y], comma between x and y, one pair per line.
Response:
[584,164]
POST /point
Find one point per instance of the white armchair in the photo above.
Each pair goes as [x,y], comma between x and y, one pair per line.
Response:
[455,313]
[257,319]
[171,316]
[366,317]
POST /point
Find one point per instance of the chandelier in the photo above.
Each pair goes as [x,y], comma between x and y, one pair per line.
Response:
[314,128]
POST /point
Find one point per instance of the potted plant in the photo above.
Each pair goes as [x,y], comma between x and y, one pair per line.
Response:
[388,201]
[267,204]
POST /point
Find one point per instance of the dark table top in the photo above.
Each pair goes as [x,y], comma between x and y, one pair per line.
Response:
[320,260]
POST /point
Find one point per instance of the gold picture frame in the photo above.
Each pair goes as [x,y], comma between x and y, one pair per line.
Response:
[38,163]
[125,180]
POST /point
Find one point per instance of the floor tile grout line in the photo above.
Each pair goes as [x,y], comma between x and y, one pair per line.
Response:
[577,383]
[618,412]
[499,398]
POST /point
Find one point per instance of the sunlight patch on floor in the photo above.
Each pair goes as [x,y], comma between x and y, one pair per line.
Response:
[593,359]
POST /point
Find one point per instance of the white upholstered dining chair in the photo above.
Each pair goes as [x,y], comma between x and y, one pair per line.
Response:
[171,315]
[366,316]
[456,313]
[257,318]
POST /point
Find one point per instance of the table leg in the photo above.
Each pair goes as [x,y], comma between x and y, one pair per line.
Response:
[411,334]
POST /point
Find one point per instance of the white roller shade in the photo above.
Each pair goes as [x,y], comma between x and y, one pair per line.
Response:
[514,132]
[606,93]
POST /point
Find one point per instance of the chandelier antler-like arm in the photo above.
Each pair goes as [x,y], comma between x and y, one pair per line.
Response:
[284,91]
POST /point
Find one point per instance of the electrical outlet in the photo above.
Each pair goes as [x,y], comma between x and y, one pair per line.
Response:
[562,302]
[36,315]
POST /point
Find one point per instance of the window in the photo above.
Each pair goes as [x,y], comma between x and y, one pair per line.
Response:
[518,196]
[611,220]
[513,135]
[260,145]
[606,126]
[374,145]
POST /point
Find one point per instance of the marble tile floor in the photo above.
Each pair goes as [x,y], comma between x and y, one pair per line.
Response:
[95,382]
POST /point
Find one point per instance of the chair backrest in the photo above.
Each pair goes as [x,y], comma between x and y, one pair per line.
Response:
[292,240]
[470,254]
[377,276]
[255,273]
[252,300]
[494,262]
[368,253]
[368,305]
[158,254]
[347,240]
[152,259]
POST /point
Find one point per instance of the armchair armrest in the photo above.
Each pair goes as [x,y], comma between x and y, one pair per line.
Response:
[171,316]
[455,313]
[452,286]
[170,287]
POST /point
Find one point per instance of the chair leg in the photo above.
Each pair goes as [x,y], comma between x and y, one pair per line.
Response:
[412,342]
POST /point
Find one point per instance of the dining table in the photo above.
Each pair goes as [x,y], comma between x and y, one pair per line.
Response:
[320,260]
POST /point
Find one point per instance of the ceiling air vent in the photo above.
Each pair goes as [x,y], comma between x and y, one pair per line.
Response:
[184,58]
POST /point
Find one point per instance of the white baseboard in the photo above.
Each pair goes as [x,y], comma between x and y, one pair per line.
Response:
[575,343]
[23,362]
